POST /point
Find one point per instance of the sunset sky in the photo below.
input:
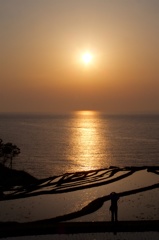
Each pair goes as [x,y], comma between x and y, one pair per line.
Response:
[42,64]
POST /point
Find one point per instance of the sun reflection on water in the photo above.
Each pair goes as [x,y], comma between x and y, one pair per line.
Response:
[89,142]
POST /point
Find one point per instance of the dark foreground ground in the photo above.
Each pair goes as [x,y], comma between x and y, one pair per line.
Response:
[11,229]
[69,182]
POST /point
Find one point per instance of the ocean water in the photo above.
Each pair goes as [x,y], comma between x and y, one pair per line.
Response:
[80,141]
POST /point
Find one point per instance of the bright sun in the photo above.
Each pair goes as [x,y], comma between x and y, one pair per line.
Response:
[87,57]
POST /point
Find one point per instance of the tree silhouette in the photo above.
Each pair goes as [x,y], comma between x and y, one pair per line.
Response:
[7,152]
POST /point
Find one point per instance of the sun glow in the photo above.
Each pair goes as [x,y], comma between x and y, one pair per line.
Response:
[86,113]
[87,57]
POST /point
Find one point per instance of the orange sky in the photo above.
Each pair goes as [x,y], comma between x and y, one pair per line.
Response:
[40,55]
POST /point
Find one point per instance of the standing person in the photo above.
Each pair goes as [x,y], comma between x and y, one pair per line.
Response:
[114,206]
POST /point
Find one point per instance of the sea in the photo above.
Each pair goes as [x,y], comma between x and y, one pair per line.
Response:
[54,144]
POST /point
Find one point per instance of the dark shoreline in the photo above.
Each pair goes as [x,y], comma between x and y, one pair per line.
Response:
[12,229]
[20,184]
[12,177]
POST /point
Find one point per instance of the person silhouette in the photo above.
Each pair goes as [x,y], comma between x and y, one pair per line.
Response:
[114,206]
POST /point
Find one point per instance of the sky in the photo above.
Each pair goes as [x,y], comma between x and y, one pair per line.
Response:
[41,47]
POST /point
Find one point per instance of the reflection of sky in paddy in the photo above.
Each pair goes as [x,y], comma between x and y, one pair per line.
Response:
[89,144]
[143,205]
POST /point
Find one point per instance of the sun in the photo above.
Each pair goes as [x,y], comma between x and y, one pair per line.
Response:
[87,57]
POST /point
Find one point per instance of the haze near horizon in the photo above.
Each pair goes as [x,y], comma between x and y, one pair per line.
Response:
[66,55]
